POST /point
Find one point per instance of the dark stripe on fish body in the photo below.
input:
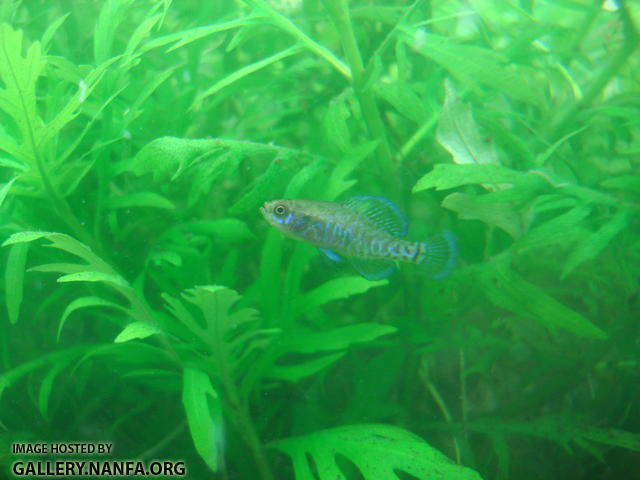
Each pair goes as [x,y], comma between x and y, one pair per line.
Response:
[418,257]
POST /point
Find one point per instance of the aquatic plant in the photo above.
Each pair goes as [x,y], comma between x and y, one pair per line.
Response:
[138,141]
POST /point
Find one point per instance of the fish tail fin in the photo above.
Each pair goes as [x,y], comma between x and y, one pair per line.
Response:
[440,254]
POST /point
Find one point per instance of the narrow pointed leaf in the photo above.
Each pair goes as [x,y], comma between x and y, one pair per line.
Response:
[203,407]
[14,279]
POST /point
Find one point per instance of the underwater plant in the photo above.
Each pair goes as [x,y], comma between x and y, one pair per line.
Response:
[139,141]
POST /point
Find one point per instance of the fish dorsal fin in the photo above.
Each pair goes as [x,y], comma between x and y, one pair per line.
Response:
[382,212]
[373,269]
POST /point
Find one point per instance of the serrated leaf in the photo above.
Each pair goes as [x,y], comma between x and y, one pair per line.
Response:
[593,244]
[167,157]
[19,75]
[136,330]
[445,176]
[14,279]
[458,133]
[501,215]
[378,451]
[335,289]
[203,408]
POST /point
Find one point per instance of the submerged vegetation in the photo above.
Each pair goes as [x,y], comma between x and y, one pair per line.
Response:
[138,139]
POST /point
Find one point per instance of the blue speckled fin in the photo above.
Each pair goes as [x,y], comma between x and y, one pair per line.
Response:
[373,269]
[440,256]
[381,211]
[331,255]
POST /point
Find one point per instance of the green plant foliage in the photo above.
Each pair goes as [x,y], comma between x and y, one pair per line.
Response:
[149,304]
[378,451]
[203,408]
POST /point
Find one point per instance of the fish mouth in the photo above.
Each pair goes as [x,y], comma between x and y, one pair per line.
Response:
[263,211]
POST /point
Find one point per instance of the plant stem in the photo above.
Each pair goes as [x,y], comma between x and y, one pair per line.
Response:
[339,11]
[237,405]
[288,26]
[602,78]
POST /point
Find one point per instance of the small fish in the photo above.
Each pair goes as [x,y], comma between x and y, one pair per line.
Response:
[365,231]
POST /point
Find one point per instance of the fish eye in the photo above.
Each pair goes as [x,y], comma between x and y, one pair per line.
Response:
[280,210]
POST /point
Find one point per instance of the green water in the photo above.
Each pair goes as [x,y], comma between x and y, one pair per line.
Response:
[149,310]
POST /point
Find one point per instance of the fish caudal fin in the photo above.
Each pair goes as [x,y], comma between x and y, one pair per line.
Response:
[440,255]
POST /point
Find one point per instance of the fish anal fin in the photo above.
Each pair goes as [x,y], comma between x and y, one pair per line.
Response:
[332,254]
[373,269]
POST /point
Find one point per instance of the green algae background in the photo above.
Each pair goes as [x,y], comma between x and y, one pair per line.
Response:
[145,301]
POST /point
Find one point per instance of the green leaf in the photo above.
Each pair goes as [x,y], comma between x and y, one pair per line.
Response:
[113,12]
[197,163]
[203,408]
[85,302]
[501,215]
[404,100]
[559,231]
[335,289]
[51,30]
[476,66]
[243,72]
[271,182]
[593,244]
[378,451]
[508,290]
[9,377]
[4,189]
[185,37]
[458,133]
[445,176]
[338,183]
[140,199]
[226,229]
[92,276]
[544,156]
[561,429]
[46,386]
[297,371]
[305,340]
[14,279]
[335,124]
[231,335]
[630,183]
[136,330]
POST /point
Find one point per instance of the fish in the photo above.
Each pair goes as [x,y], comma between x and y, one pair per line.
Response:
[366,231]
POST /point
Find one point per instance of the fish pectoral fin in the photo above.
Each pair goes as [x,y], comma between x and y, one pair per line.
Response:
[382,212]
[373,269]
[331,254]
